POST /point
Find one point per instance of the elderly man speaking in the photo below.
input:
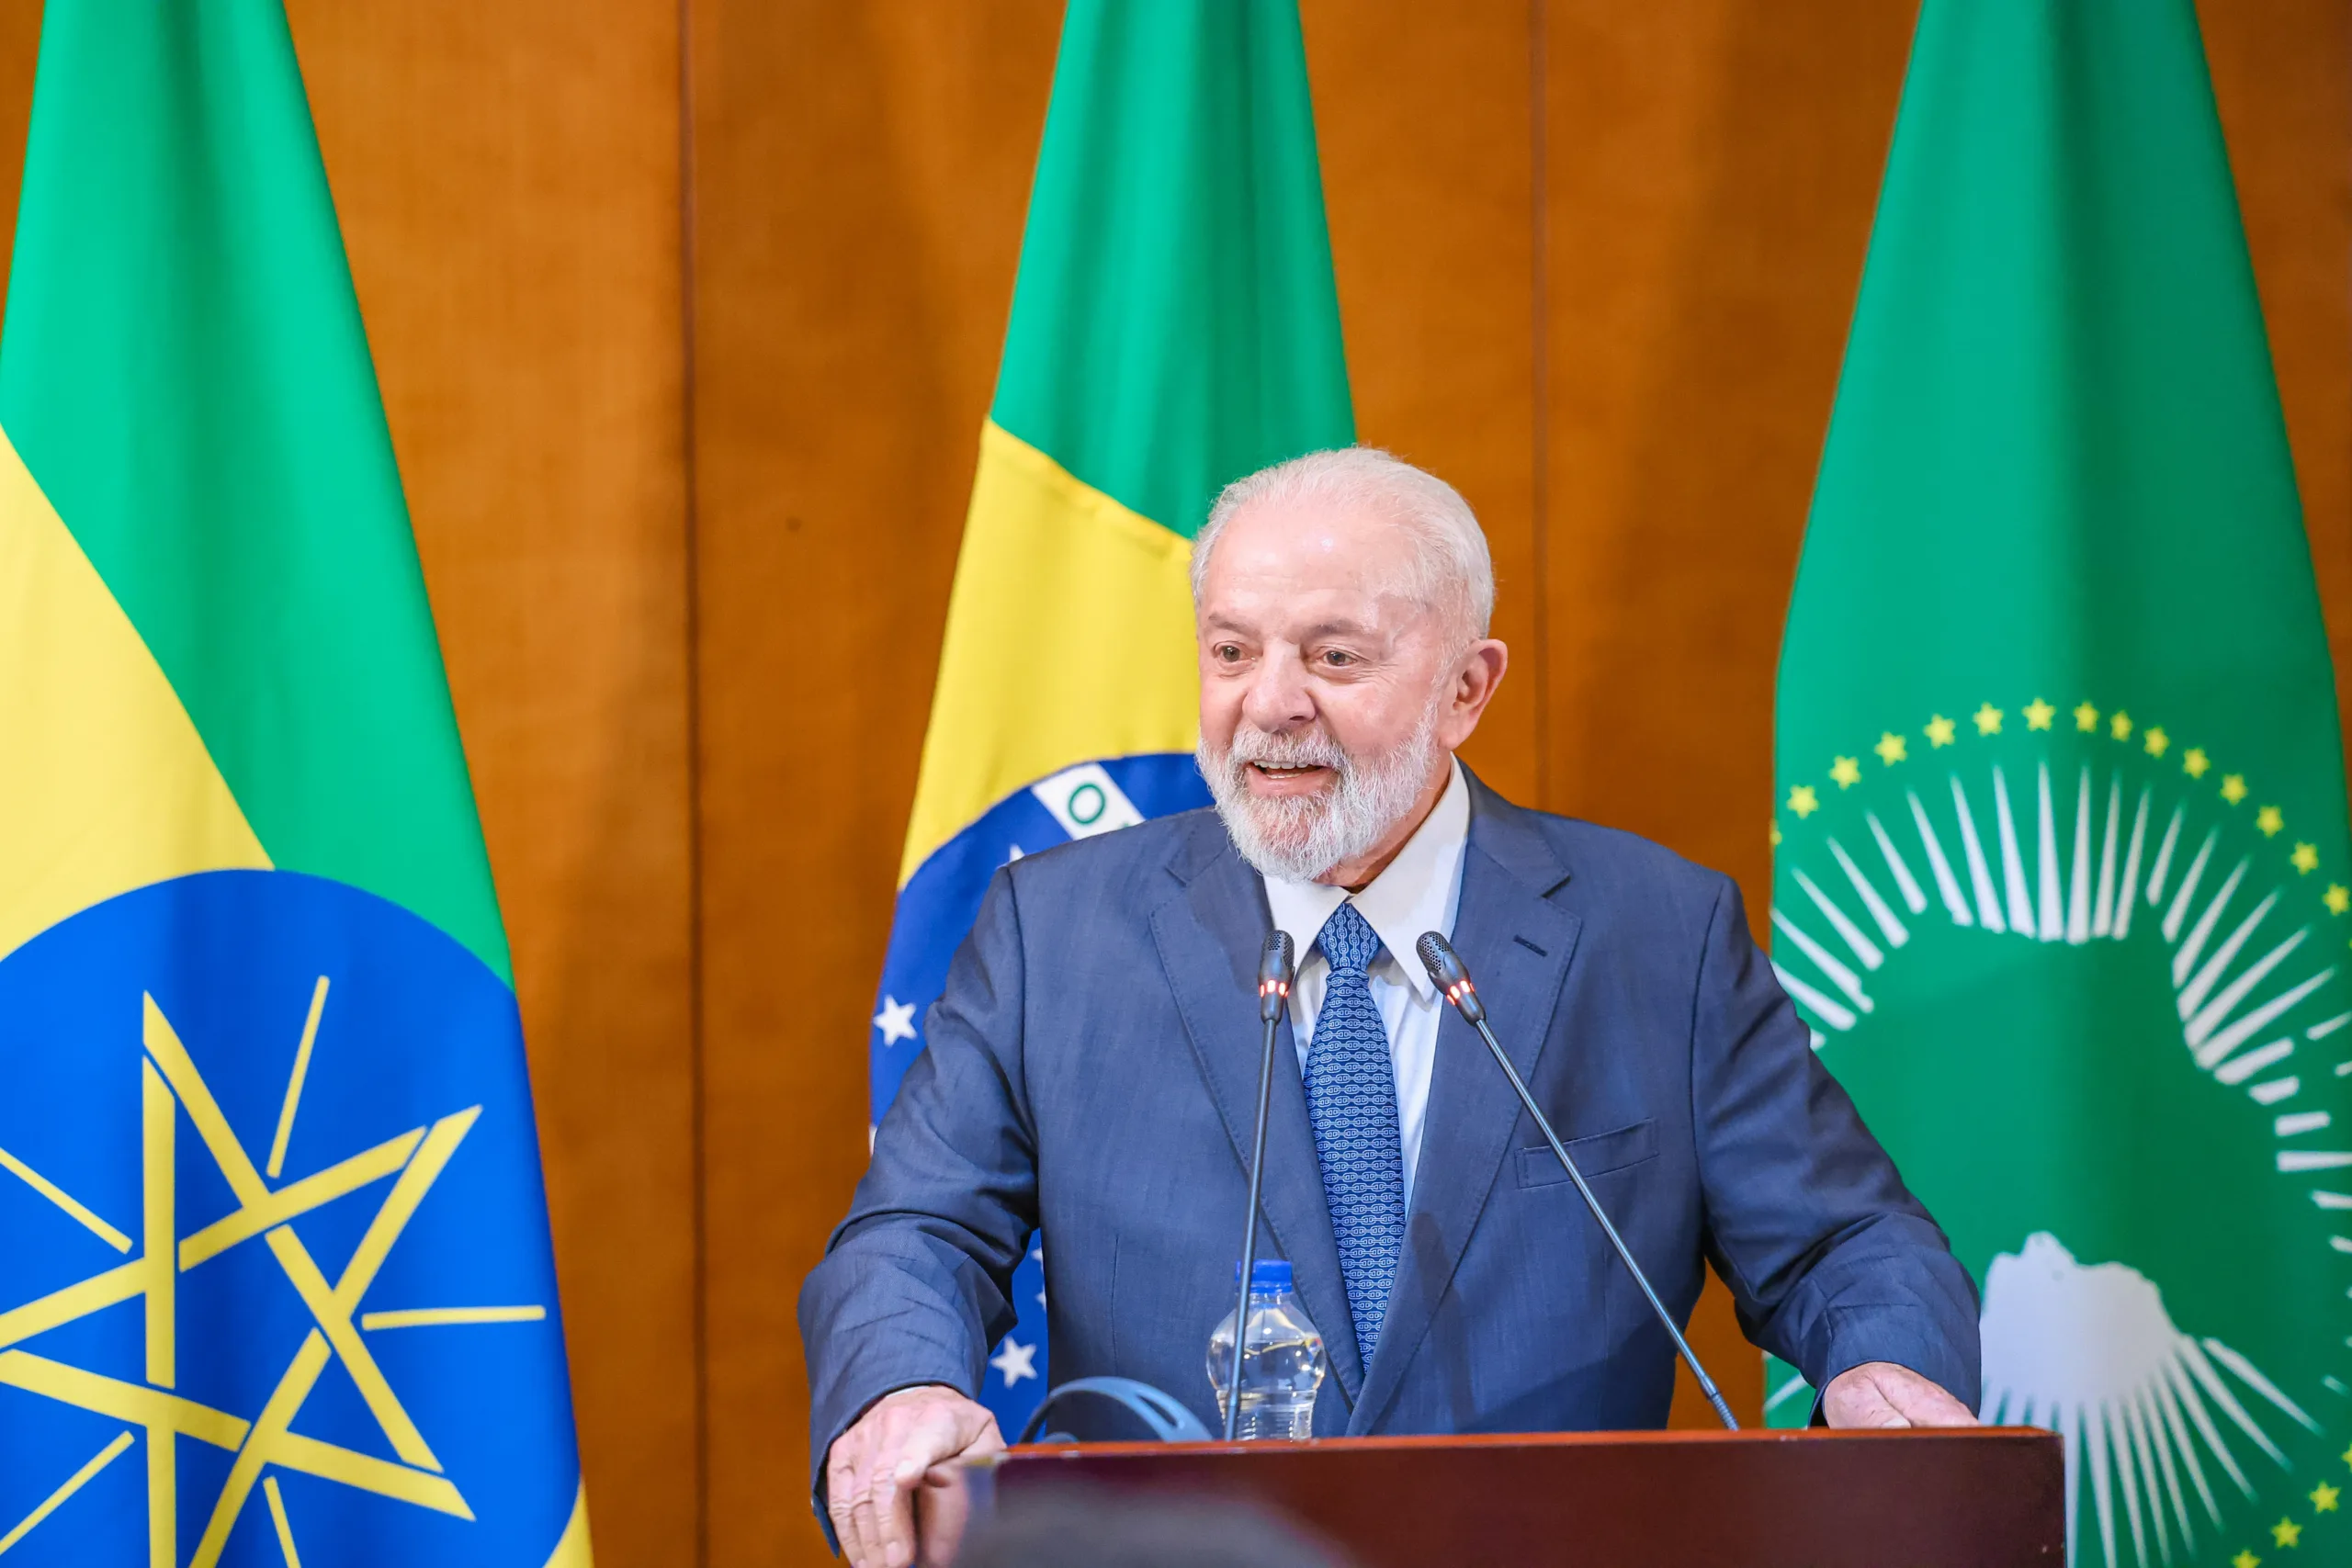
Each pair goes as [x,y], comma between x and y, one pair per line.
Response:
[1092,1067]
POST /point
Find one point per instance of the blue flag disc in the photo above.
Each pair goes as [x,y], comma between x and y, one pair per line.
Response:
[274,1273]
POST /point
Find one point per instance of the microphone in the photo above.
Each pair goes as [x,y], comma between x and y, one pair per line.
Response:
[1274,995]
[1446,969]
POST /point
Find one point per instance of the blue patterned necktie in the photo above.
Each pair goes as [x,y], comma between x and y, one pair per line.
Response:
[1352,1102]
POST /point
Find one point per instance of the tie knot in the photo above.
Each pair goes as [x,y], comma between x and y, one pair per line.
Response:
[1347,941]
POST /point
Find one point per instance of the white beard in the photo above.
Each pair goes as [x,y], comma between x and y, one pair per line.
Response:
[1303,837]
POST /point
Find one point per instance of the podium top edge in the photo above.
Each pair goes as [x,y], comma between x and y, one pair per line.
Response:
[2020,1436]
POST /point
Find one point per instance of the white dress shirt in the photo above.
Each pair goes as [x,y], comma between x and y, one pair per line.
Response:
[1419,892]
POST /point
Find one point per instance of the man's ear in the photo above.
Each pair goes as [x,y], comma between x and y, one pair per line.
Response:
[1477,674]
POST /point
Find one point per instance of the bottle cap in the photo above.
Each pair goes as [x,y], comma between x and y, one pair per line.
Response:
[1265,1274]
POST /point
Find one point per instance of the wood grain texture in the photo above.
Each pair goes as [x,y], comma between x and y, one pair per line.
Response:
[1422,117]
[1948,1499]
[1713,170]
[2282,78]
[861,178]
[19,51]
[507,181]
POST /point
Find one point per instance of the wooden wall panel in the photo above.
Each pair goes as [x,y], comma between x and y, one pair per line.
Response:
[1713,167]
[507,179]
[1422,116]
[2282,76]
[861,177]
[20,49]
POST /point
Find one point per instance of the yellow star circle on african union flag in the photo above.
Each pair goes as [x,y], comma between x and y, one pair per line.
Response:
[2286,1534]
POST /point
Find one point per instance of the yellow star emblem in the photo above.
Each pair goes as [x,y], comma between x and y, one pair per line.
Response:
[170,1082]
[2086,717]
[2038,714]
[2305,859]
[2119,726]
[2269,821]
[2245,1560]
[1803,802]
[2234,787]
[1776,835]
[1938,732]
[2286,1532]
[1846,771]
[2337,898]
[2193,762]
[1889,749]
[1988,720]
[2324,1498]
[2347,1456]
[2157,741]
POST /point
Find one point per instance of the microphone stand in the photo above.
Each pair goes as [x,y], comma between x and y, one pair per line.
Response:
[1447,969]
[1273,993]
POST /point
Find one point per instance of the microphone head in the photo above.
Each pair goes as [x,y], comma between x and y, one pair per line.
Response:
[1274,970]
[1274,958]
[1446,970]
[1439,958]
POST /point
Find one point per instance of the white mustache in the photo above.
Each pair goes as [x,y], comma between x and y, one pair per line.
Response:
[1300,750]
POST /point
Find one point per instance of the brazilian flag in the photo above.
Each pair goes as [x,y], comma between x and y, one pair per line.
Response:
[275,1276]
[1173,328]
[2063,881]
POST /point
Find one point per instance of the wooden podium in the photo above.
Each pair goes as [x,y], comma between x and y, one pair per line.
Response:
[1969,1498]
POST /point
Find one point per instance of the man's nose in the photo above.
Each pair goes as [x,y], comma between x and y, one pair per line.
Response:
[1277,698]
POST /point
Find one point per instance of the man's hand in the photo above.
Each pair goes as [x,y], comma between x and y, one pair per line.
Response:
[1879,1393]
[898,1462]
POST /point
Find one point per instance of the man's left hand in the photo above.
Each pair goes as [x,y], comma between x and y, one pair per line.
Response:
[1879,1393]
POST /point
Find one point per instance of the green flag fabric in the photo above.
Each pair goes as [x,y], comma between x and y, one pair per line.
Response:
[2062,878]
[274,1271]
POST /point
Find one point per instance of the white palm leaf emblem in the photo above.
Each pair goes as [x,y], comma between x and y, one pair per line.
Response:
[2089,1352]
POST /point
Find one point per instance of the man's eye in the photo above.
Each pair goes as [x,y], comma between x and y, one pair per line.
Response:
[1228,653]
[1338,657]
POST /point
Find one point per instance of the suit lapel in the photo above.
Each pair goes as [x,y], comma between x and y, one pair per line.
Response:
[1208,936]
[1516,945]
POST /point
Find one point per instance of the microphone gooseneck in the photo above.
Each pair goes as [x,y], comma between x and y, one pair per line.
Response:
[1450,975]
[1275,971]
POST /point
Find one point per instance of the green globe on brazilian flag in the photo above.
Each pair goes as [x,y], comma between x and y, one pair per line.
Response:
[2062,878]
[275,1276]
[1173,328]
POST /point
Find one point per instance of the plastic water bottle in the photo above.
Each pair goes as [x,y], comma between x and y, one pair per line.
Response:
[1282,1360]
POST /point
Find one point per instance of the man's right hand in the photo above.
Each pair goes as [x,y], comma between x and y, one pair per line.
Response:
[902,1451]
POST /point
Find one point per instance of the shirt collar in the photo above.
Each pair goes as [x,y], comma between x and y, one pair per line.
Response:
[1416,893]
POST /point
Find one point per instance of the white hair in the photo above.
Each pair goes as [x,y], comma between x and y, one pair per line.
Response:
[1451,570]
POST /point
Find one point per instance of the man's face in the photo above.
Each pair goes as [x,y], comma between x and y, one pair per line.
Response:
[1326,688]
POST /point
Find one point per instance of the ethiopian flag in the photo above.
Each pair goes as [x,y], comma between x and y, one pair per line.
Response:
[1173,328]
[2062,879]
[275,1278]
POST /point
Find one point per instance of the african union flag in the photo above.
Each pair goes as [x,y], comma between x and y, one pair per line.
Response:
[274,1279]
[1173,328]
[2063,882]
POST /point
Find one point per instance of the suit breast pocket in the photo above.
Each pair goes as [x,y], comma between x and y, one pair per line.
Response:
[1594,1155]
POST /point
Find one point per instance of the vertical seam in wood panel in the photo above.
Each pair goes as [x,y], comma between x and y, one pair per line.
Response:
[691,496]
[1539,398]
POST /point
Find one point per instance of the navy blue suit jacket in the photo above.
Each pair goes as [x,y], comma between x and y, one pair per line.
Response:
[1091,1071]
